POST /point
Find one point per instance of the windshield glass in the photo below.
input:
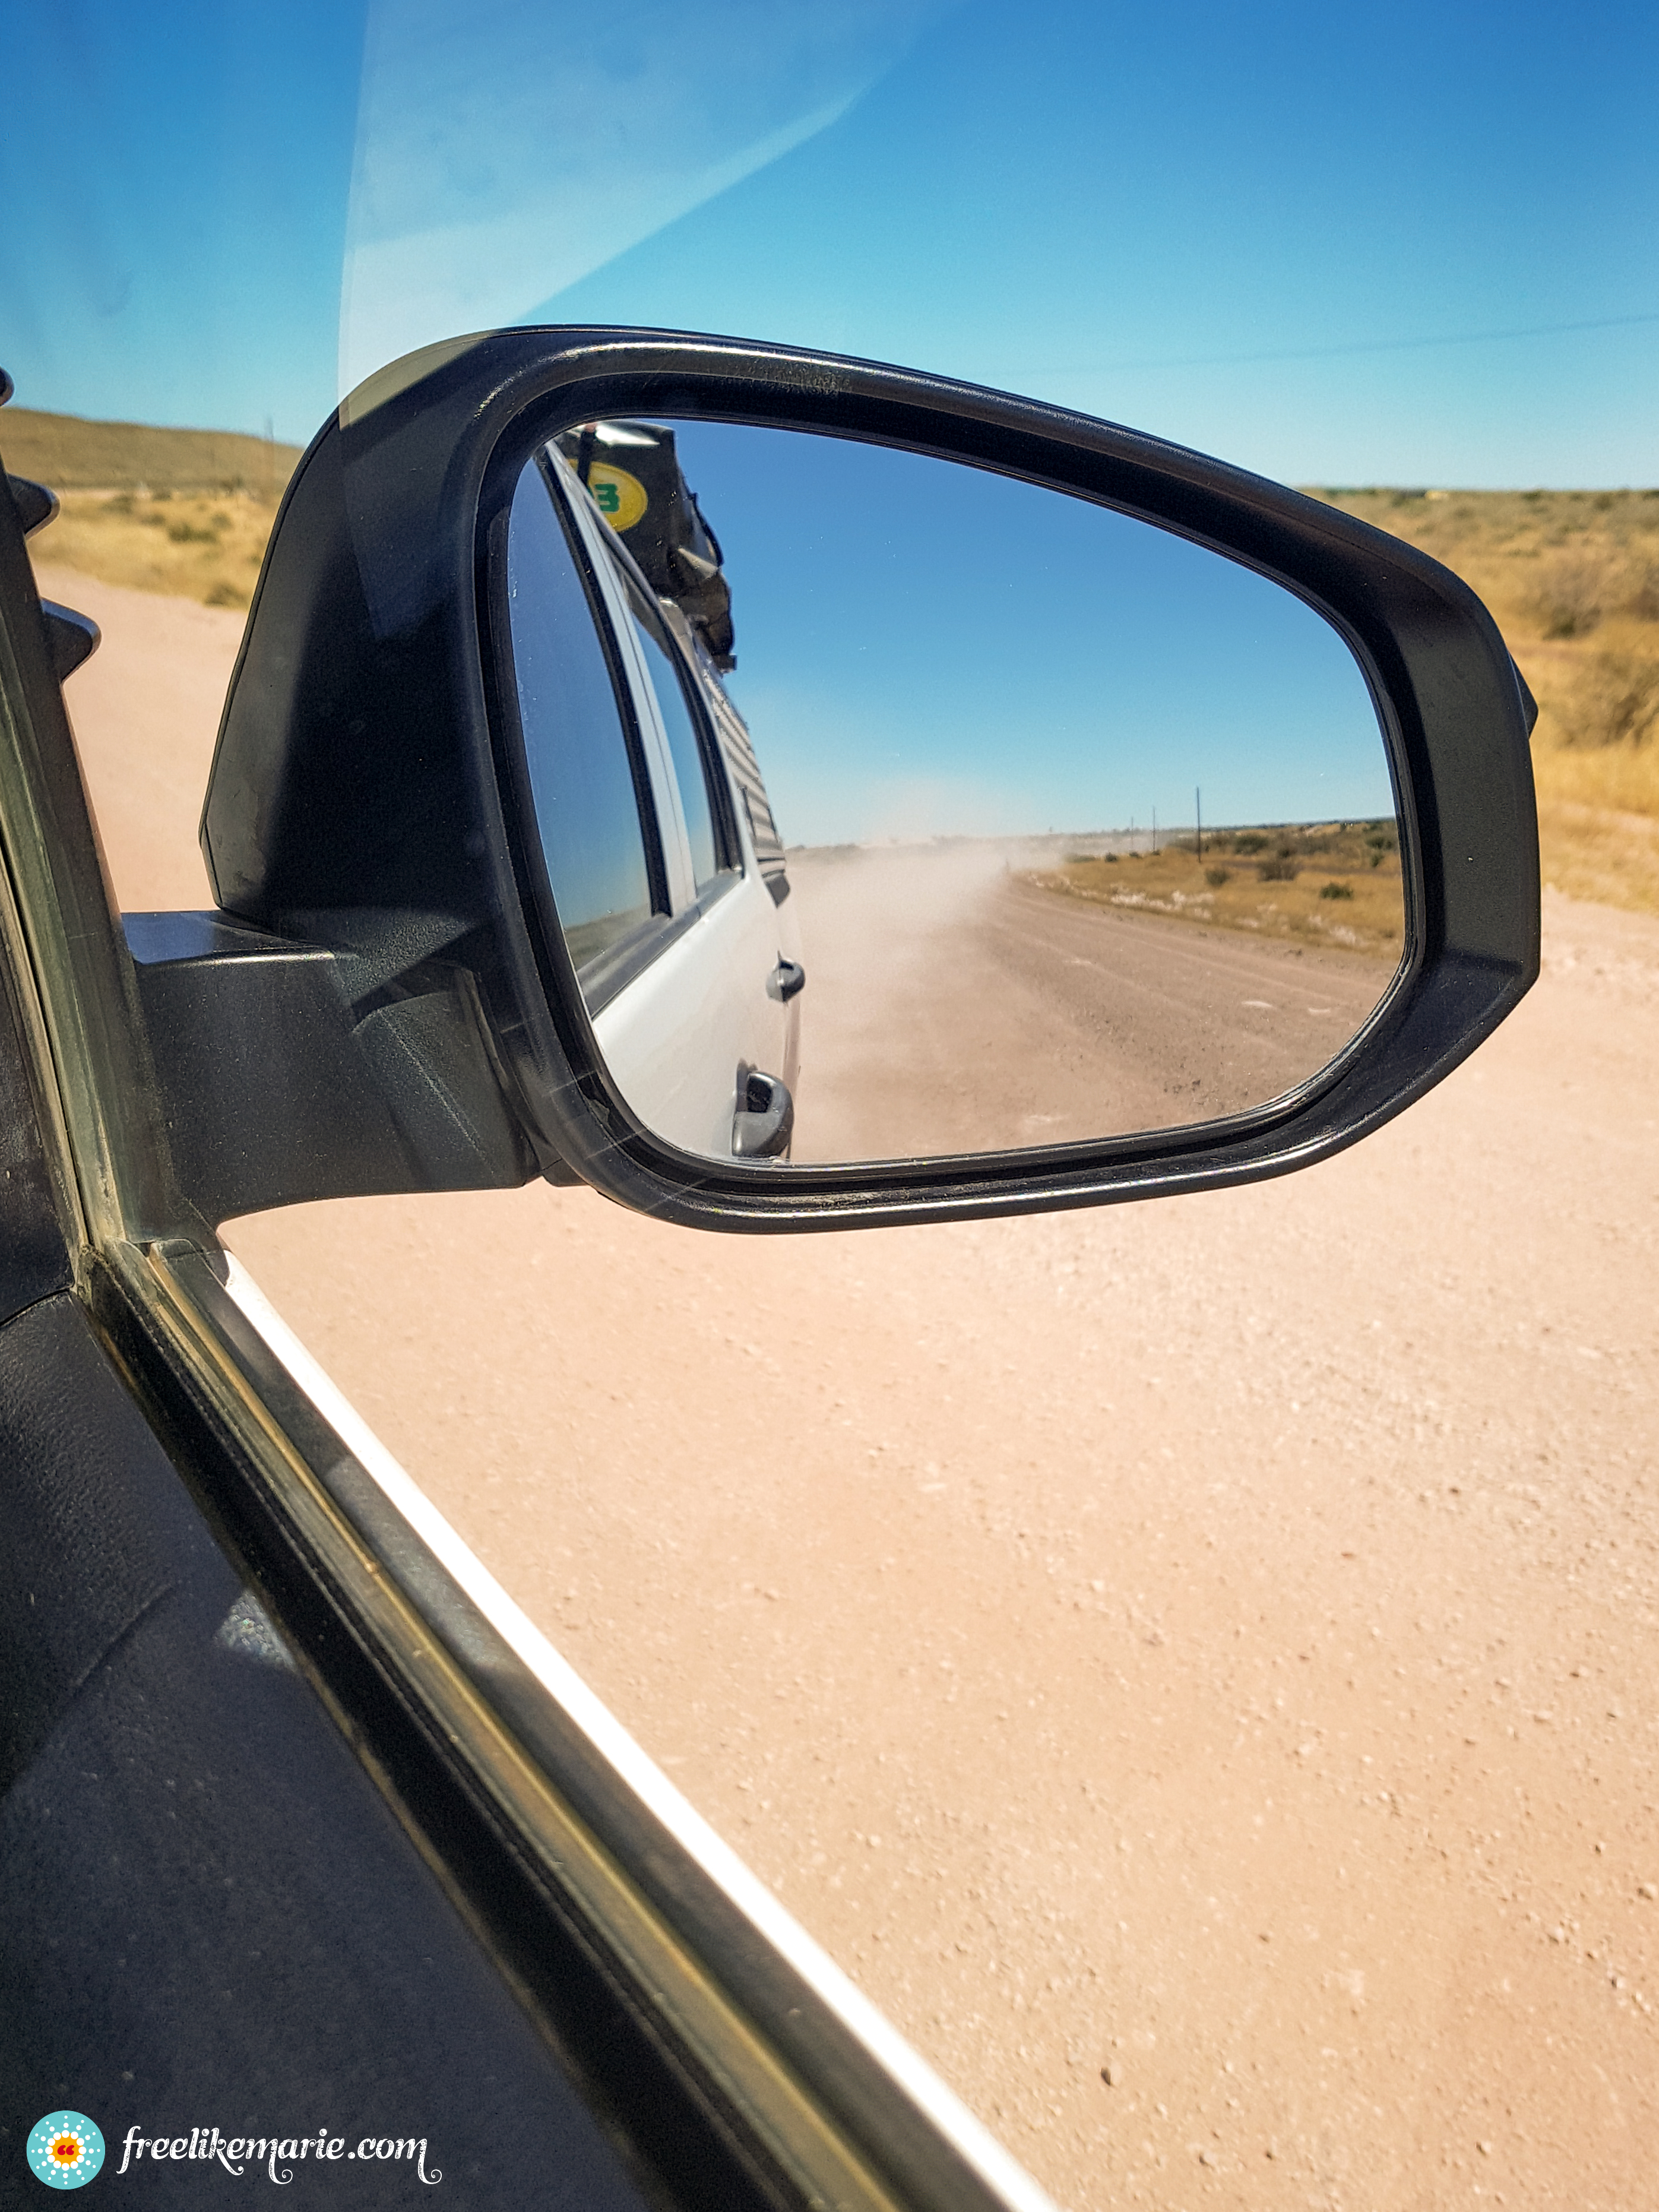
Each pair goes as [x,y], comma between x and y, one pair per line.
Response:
[1192,1664]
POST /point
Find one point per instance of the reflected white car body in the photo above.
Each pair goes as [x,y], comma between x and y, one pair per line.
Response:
[719,1003]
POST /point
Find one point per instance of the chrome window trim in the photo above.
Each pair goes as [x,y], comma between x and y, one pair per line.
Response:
[835,2103]
[636,1772]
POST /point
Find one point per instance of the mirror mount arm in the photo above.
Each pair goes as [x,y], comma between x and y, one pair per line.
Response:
[281,1081]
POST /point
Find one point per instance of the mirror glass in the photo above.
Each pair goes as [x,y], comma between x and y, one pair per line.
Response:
[891,807]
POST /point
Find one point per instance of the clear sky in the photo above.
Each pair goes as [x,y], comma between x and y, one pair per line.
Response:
[1416,243]
[925,649]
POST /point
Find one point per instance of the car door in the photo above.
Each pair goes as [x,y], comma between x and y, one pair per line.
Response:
[229,1943]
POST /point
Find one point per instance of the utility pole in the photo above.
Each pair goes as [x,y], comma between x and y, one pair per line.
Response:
[1198,810]
[1154,833]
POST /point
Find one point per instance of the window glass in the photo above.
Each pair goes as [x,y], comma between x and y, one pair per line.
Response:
[690,771]
[1000,1558]
[581,770]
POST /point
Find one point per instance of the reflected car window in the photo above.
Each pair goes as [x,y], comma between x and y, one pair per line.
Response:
[690,770]
[582,772]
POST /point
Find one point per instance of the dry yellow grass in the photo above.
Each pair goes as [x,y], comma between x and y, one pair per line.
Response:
[1333,883]
[206,547]
[1573,581]
[183,511]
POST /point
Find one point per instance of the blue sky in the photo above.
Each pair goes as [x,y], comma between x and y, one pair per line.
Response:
[926,650]
[1124,209]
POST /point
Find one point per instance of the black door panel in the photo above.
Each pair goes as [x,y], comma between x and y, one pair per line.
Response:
[208,1915]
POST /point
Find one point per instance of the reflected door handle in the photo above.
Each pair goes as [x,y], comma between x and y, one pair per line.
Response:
[788,978]
[765,1120]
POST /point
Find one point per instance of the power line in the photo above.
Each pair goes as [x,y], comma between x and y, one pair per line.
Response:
[1335,352]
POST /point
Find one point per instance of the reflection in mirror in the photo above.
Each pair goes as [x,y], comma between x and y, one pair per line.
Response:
[1091,831]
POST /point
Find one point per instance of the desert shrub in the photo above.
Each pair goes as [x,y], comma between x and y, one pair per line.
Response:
[1250,840]
[1615,701]
[225,594]
[1570,596]
[1335,890]
[186,533]
[1642,599]
[1216,877]
[1281,869]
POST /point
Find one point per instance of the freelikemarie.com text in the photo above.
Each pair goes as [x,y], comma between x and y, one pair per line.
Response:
[278,2154]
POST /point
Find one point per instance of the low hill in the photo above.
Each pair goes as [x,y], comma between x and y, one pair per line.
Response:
[72,454]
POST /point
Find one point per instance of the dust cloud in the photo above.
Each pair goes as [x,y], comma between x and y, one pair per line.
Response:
[954,1005]
[886,933]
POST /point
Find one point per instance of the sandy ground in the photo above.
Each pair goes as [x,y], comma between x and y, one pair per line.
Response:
[1213,1641]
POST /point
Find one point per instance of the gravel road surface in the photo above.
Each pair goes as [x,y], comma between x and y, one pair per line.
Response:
[1214,1642]
[952,1005]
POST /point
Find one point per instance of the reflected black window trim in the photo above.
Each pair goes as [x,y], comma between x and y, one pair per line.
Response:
[656,865]
[649,610]
[743,770]
[716,776]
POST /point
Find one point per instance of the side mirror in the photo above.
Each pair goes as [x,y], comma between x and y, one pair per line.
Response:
[784,792]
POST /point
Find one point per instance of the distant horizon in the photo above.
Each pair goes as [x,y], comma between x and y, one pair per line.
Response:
[1164,832]
[19,406]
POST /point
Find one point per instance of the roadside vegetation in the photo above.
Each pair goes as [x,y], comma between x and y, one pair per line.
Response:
[193,545]
[1572,578]
[1333,883]
[1573,581]
[183,511]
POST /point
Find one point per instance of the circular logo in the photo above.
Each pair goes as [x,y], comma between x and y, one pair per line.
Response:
[65,2150]
[619,498]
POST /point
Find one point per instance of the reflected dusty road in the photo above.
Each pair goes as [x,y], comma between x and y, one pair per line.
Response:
[953,1006]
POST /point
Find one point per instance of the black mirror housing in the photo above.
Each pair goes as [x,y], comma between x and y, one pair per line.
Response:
[369,801]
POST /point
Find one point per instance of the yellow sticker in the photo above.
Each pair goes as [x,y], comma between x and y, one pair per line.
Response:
[619,498]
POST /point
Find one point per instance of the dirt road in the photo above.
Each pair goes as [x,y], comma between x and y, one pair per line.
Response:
[953,1006]
[1217,1640]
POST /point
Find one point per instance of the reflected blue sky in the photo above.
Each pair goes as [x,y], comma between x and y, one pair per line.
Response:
[929,649]
[1410,244]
